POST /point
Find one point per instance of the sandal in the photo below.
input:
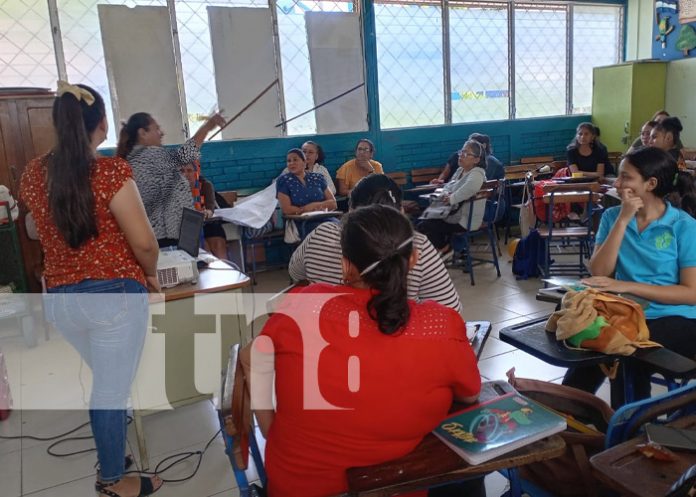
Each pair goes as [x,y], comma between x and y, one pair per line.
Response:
[146,487]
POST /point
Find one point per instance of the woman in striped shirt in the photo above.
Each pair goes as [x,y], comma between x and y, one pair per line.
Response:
[318,258]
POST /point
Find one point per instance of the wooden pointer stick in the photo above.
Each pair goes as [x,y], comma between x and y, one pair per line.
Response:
[244,109]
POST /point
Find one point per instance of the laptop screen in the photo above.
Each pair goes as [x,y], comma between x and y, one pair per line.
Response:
[190,231]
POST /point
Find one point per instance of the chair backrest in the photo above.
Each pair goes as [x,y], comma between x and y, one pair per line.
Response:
[230,196]
[399,177]
[572,193]
[630,418]
[483,194]
[235,408]
[424,174]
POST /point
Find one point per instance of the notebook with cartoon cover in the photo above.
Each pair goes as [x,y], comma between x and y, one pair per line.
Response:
[496,426]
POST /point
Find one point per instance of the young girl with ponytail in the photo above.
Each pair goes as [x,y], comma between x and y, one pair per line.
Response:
[361,372]
[100,255]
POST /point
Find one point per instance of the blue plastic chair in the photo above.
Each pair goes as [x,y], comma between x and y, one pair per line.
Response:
[629,419]
[461,242]
[237,424]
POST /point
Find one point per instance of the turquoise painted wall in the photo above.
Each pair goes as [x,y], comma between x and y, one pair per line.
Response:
[252,164]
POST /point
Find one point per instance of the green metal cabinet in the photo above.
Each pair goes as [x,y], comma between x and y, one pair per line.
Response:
[624,96]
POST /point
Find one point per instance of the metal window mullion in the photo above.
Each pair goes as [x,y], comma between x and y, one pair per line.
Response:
[446,60]
[620,49]
[279,67]
[569,59]
[171,8]
[511,60]
[58,51]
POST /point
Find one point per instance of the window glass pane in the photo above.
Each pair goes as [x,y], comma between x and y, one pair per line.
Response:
[596,42]
[297,80]
[409,64]
[26,47]
[83,49]
[540,60]
[197,57]
[479,62]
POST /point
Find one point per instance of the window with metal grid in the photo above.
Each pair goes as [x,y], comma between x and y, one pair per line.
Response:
[540,60]
[479,61]
[596,42]
[409,63]
[26,47]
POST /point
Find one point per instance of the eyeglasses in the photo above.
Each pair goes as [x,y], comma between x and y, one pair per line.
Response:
[462,153]
[363,149]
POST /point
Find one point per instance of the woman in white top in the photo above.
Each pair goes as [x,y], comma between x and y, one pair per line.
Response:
[465,183]
[314,156]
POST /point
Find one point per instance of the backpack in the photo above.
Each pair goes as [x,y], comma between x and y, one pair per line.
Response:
[529,253]
[560,211]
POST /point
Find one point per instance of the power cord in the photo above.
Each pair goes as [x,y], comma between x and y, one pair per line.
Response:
[178,458]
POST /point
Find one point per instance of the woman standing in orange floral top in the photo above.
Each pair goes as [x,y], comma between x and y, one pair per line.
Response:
[100,253]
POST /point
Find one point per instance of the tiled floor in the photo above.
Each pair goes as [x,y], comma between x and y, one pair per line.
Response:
[27,469]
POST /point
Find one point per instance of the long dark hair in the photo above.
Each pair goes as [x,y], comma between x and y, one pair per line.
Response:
[128,136]
[670,125]
[674,185]
[376,238]
[589,127]
[484,140]
[376,189]
[70,196]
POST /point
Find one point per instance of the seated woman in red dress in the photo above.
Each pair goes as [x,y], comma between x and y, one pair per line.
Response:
[361,373]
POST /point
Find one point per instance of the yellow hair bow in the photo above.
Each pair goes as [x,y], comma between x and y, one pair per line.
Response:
[79,93]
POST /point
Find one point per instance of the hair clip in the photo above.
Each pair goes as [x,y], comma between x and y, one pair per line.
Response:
[78,92]
[396,251]
[391,196]
[676,178]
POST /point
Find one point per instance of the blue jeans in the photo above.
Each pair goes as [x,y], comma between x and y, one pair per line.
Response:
[106,321]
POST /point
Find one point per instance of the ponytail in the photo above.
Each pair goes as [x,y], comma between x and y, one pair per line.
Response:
[69,166]
[378,240]
[128,136]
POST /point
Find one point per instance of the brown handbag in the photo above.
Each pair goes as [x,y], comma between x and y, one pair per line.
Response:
[626,329]
[587,416]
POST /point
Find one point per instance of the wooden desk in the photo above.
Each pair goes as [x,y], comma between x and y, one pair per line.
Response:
[629,472]
[531,337]
[432,463]
[423,188]
[186,344]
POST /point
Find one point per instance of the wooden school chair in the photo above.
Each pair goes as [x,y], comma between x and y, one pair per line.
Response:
[579,239]
[425,175]
[462,242]
[539,159]
[621,468]
[399,177]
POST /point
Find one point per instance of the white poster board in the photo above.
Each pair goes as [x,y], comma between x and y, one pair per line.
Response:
[245,64]
[336,64]
[139,54]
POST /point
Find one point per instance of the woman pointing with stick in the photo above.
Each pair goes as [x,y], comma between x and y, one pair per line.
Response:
[164,190]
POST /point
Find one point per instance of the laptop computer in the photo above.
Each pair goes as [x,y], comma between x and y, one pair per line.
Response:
[180,265]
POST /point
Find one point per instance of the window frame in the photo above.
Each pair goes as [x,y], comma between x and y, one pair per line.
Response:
[511,6]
